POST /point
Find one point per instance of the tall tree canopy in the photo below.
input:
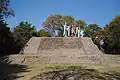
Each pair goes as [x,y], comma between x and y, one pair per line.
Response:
[6,38]
[70,20]
[112,39]
[25,29]
[43,33]
[80,23]
[92,30]
[5,10]
[22,33]
[50,23]
[57,21]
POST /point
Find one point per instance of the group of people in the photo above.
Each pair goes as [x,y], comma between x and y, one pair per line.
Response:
[72,31]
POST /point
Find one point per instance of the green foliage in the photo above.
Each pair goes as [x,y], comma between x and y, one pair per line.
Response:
[56,22]
[5,10]
[43,33]
[6,39]
[81,23]
[112,38]
[92,30]
[50,23]
[22,33]
[70,20]
[110,35]
[25,29]
[95,32]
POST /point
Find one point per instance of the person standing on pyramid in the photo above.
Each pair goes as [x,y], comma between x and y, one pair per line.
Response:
[68,30]
[65,30]
[73,30]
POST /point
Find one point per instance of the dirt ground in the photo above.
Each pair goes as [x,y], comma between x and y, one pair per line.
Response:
[28,66]
[26,72]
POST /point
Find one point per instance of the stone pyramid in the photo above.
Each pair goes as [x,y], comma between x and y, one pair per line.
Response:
[38,45]
[64,49]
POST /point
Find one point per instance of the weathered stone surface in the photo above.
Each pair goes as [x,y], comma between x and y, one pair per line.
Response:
[62,50]
[32,46]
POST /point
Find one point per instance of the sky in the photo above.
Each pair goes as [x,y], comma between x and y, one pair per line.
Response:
[100,12]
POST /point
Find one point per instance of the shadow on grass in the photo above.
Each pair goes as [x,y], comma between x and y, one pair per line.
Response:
[76,73]
[9,71]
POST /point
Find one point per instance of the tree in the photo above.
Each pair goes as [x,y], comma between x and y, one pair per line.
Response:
[6,38]
[108,41]
[25,29]
[5,10]
[95,32]
[70,20]
[113,39]
[81,24]
[50,24]
[92,30]
[43,33]
[22,33]
[56,22]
